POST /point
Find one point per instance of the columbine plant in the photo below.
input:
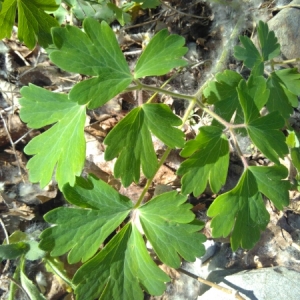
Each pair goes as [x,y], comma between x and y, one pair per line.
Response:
[122,268]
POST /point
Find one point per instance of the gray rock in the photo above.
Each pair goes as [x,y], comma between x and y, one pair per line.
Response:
[286,26]
[260,284]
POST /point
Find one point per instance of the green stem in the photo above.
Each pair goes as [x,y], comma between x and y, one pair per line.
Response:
[165,155]
[159,90]
[50,261]
[237,148]
[150,180]
[283,62]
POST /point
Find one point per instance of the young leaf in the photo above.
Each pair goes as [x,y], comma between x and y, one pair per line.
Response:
[162,54]
[168,216]
[83,230]
[248,54]
[131,140]
[223,94]
[208,161]
[241,211]
[63,145]
[284,88]
[120,270]
[94,52]
[268,42]
[33,23]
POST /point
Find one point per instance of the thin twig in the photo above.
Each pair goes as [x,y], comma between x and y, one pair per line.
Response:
[286,6]
[12,145]
[209,283]
[7,242]
[181,12]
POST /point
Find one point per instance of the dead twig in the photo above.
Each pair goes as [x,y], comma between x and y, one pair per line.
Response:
[209,283]
[7,242]
[181,12]
[12,144]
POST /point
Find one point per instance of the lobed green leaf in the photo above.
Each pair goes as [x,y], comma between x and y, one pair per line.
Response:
[162,54]
[34,24]
[131,141]
[284,88]
[83,230]
[120,270]
[63,145]
[223,94]
[94,52]
[271,183]
[168,224]
[248,54]
[241,212]
[268,42]
[253,95]
[208,161]
[266,135]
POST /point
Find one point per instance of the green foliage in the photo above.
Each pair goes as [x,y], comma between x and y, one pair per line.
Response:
[208,161]
[40,108]
[284,88]
[104,229]
[223,94]
[131,140]
[94,52]
[269,47]
[23,246]
[242,209]
[123,267]
[165,217]
[162,54]
[100,210]
[34,23]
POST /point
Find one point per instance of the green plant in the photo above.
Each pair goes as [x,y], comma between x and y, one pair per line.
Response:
[35,21]
[122,267]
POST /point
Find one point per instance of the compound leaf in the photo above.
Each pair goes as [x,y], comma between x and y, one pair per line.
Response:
[94,52]
[83,230]
[63,145]
[131,141]
[33,23]
[223,94]
[120,270]
[284,88]
[268,42]
[240,211]
[167,223]
[162,54]
[208,161]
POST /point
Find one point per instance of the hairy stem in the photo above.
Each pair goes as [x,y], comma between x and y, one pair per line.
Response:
[159,90]
[165,155]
